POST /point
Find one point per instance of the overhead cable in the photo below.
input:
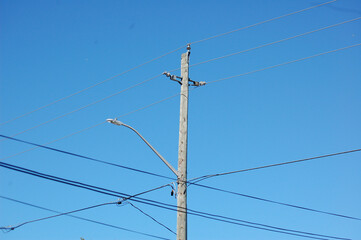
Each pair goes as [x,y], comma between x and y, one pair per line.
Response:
[285,63]
[272,43]
[86,106]
[266,21]
[92,86]
[155,220]
[275,202]
[87,158]
[93,126]
[198,179]
[195,180]
[138,66]
[58,215]
[170,206]
[85,219]
[120,201]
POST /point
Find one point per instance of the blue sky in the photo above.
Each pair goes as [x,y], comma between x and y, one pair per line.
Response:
[51,49]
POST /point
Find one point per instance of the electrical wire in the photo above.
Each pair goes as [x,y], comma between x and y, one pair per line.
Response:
[266,21]
[87,158]
[93,126]
[155,220]
[275,202]
[194,180]
[86,106]
[95,206]
[85,219]
[272,43]
[285,63]
[169,206]
[92,86]
[58,215]
[154,59]
[198,179]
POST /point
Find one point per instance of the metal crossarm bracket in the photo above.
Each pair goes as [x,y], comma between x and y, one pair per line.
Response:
[179,80]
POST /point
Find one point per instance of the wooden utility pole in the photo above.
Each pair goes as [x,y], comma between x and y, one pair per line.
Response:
[183,142]
[182,150]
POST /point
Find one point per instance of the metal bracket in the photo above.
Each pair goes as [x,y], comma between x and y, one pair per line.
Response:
[175,78]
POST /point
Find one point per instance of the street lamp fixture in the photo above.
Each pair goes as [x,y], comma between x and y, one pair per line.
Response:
[119,123]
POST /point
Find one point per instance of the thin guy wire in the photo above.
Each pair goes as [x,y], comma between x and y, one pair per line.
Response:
[285,63]
[272,43]
[266,21]
[198,179]
[86,106]
[85,89]
[275,202]
[93,126]
[164,205]
[155,220]
[84,219]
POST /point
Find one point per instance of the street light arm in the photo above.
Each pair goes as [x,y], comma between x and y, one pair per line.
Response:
[116,122]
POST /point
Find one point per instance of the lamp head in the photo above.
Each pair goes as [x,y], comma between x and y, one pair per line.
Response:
[114,121]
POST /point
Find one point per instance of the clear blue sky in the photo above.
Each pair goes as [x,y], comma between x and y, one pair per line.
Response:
[51,49]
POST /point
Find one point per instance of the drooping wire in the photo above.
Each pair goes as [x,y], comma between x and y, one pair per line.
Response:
[266,21]
[275,202]
[58,215]
[87,208]
[85,219]
[272,43]
[92,86]
[155,220]
[93,126]
[285,63]
[170,206]
[198,179]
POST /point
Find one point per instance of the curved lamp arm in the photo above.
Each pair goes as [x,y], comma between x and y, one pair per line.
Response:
[119,123]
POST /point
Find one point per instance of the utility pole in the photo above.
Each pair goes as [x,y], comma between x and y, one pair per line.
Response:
[182,150]
[183,143]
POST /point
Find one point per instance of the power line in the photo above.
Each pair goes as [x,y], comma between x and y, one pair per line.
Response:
[266,21]
[86,106]
[92,86]
[218,80]
[58,215]
[94,206]
[138,66]
[275,202]
[87,158]
[84,219]
[169,206]
[285,63]
[198,179]
[93,126]
[275,42]
[195,180]
[155,220]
